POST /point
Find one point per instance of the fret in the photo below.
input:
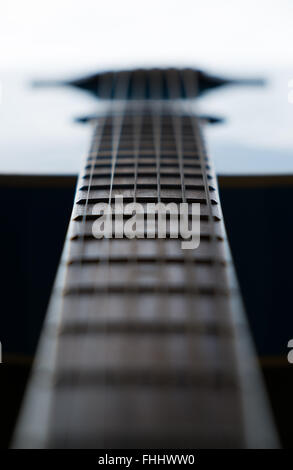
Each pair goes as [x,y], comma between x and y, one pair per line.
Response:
[165,172]
[122,288]
[198,195]
[145,247]
[144,200]
[143,158]
[143,335]
[88,237]
[155,352]
[140,185]
[139,377]
[85,229]
[147,309]
[144,163]
[145,273]
[136,325]
[132,327]
[93,155]
[169,176]
[142,260]
[144,197]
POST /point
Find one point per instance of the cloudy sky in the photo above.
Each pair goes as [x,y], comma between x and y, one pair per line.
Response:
[89,33]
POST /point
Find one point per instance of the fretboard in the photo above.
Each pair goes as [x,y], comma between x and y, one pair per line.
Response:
[145,344]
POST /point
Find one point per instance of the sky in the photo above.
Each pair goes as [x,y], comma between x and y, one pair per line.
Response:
[68,38]
[81,34]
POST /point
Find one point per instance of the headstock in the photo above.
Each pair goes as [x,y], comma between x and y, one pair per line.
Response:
[153,83]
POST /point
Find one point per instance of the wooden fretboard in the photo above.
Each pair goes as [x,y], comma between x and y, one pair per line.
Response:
[145,344]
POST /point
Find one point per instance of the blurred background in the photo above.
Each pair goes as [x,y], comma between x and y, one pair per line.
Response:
[71,38]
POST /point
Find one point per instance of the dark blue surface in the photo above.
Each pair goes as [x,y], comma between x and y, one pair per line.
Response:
[260,228]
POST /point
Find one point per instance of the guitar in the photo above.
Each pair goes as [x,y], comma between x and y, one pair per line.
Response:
[146,344]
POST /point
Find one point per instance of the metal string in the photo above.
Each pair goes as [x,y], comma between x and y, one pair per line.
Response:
[121,95]
[81,240]
[118,119]
[191,275]
[191,91]
[137,122]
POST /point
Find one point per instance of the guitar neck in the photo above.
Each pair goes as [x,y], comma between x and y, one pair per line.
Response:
[145,344]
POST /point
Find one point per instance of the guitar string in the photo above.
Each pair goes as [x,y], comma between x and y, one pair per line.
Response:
[81,305]
[190,269]
[96,141]
[121,95]
[191,90]
[137,122]
[156,85]
[84,350]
